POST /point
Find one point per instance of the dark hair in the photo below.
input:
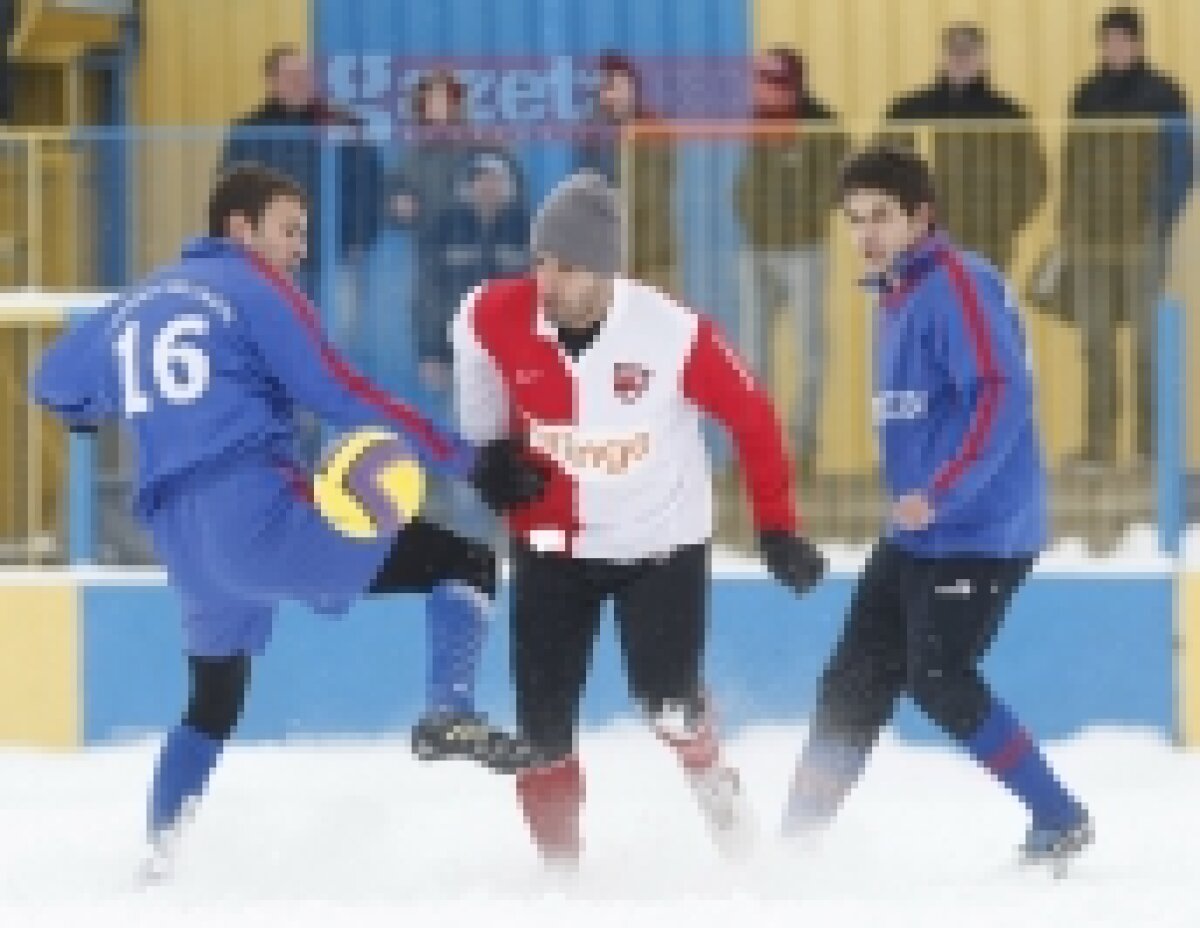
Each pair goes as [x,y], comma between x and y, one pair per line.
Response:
[893,171]
[957,32]
[792,62]
[425,86]
[612,62]
[248,188]
[1123,18]
[276,55]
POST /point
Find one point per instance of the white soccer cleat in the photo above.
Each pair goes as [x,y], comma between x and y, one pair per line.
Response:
[730,821]
[158,866]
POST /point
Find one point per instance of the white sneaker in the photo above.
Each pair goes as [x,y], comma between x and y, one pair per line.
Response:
[158,866]
[718,792]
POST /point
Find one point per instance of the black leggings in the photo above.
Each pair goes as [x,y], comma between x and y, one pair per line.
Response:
[424,555]
[217,693]
[661,611]
[917,627]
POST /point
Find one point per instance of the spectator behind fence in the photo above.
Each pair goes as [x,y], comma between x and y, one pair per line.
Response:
[483,236]
[649,189]
[1123,189]
[783,196]
[427,184]
[991,177]
[285,133]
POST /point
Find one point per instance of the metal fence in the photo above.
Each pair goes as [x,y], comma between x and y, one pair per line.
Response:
[1090,222]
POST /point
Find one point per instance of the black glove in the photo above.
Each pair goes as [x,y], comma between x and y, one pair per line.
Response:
[505,477]
[792,559]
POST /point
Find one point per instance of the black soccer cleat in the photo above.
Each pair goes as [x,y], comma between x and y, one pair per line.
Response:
[1057,848]
[470,736]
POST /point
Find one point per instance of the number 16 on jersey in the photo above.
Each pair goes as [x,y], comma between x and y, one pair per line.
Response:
[180,368]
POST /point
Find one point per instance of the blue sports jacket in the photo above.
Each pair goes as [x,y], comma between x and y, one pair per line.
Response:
[211,357]
[954,405]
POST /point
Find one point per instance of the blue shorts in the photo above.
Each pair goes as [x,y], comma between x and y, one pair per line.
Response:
[239,540]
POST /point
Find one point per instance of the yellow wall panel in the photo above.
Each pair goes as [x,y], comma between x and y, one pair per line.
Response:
[200,66]
[863,53]
[40,673]
[201,62]
[1188,657]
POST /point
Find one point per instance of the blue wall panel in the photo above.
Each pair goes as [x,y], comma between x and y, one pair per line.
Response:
[500,29]
[1075,652]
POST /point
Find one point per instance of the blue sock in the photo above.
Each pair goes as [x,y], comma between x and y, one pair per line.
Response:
[184,764]
[456,620]
[826,771]
[1010,754]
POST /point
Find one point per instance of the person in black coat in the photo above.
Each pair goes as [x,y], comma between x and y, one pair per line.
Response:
[484,235]
[988,165]
[1124,187]
[285,133]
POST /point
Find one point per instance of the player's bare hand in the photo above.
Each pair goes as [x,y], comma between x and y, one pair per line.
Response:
[912,512]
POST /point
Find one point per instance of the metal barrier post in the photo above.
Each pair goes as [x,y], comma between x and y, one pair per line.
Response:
[81,502]
[1170,426]
[329,229]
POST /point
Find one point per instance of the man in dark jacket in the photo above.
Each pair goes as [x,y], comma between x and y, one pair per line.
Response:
[990,174]
[483,236]
[1123,189]
[783,197]
[285,132]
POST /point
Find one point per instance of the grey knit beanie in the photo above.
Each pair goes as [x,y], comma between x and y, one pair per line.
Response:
[580,224]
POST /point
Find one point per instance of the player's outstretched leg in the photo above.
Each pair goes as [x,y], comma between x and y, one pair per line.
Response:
[688,728]
[457,617]
[458,576]
[1060,827]
[952,628]
[191,751]
[856,697]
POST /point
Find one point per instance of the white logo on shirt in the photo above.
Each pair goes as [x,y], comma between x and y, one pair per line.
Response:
[591,455]
[899,404]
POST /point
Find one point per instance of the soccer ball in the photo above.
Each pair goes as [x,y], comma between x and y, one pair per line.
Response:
[368,485]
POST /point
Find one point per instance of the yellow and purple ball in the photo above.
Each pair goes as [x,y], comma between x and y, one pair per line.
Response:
[368,485]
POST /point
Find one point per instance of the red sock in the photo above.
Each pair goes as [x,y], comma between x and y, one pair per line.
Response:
[551,800]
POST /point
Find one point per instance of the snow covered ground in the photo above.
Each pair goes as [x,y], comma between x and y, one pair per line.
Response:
[359,834]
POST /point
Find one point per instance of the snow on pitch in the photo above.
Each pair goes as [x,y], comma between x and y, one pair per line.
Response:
[360,834]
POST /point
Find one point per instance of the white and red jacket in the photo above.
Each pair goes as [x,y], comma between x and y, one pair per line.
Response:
[620,426]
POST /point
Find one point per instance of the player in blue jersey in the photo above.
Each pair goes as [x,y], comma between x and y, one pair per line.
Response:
[963,469]
[206,362]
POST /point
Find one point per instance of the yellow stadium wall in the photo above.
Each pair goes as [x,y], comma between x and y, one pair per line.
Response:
[200,66]
[862,53]
[41,674]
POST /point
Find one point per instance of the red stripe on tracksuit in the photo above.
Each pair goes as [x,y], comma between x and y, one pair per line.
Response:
[414,425]
[1011,754]
[992,385]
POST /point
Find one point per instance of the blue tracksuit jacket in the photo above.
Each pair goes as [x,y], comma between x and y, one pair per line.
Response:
[954,406]
[206,363]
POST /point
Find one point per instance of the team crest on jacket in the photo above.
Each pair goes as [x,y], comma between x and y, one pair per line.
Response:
[630,380]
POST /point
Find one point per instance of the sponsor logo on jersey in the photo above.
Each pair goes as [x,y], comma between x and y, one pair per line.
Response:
[591,455]
[899,404]
[630,381]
